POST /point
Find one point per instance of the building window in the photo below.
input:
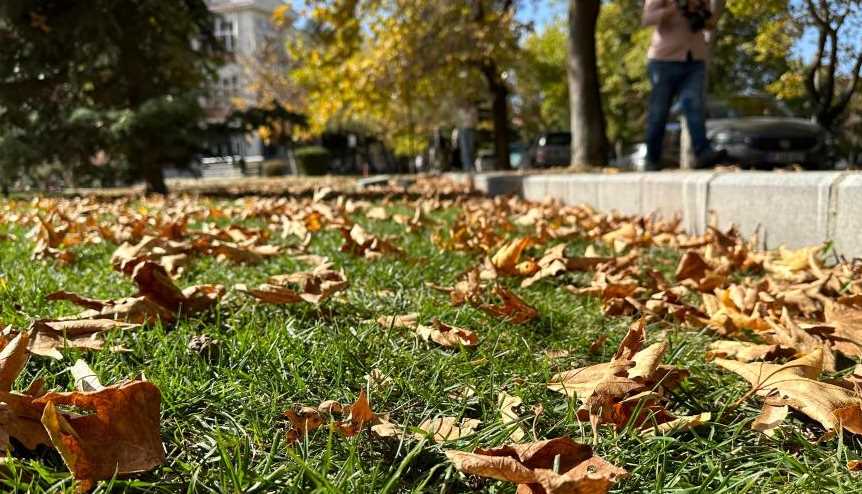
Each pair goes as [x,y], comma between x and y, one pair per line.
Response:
[226,31]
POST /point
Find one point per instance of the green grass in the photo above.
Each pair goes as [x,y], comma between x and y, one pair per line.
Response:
[221,423]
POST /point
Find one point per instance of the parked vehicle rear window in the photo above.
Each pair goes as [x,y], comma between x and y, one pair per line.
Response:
[561,139]
[743,107]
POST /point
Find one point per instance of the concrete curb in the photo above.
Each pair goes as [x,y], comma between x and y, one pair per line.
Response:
[790,209]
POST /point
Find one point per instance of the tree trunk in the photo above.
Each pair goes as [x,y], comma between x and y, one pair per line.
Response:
[155,181]
[589,140]
[500,113]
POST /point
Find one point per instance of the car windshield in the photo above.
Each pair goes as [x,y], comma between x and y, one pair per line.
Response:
[558,139]
[746,107]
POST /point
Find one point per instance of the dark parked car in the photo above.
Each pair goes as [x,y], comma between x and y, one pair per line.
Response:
[756,132]
[550,149]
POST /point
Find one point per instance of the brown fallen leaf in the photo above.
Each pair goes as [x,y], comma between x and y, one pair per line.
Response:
[171,254]
[205,346]
[360,243]
[466,290]
[847,321]
[158,298]
[304,419]
[633,380]
[555,466]
[507,405]
[744,351]
[133,310]
[120,437]
[795,385]
[554,262]
[19,416]
[513,308]
[446,335]
[692,266]
[378,378]
[507,259]
[313,286]
[13,359]
[385,428]
[677,424]
[788,334]
[444,429]
[404,321]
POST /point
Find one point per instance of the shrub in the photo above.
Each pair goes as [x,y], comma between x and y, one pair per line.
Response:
[275,168]
[313,160]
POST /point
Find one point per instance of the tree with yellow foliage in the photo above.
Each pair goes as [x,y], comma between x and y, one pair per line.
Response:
[404,67]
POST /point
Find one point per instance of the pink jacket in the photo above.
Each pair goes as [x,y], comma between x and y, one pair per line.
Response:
[673,39]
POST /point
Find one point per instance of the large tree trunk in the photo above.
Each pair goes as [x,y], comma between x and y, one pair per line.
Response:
[154,180]
[500,114]
[589,140]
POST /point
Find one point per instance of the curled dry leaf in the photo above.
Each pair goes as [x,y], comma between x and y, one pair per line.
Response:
[554,262]
[634,379]
[378,378]
[360,243]
[507,259]
[13,358]
[507,405]
[444,429]
[120,437]
[467,290]
[513,308]
[158,298]
[744,351]
[847,321]
[677,424]
[171,254]
[49,337]
[19,416]
[554,466]
[313,286]
[448,336]
[204,346]
[404,321]
[305,419]
[795,385]
[788,334]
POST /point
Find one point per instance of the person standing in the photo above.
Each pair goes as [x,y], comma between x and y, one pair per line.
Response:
[677,69]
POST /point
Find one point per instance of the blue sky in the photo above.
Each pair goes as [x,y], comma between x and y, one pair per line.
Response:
[541,12]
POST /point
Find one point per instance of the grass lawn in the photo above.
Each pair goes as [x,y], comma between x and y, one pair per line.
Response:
[222,424]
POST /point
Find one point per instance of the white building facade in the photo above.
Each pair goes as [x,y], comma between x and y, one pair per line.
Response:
[241,26]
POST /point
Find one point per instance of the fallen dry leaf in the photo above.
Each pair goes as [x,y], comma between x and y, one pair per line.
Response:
[313,286]
[507,405]
[634,379]
[304,419]
[513,308]
[446,335]
[795,385]
[555,466]
[405,321]
[120,437]
[744,351]
[360,243]
[444,429]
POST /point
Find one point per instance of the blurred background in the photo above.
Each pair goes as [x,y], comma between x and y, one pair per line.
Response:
[113,92]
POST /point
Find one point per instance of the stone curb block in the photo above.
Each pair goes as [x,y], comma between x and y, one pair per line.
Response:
[790,209]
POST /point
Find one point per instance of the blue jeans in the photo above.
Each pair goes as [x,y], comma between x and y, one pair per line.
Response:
[671,80]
